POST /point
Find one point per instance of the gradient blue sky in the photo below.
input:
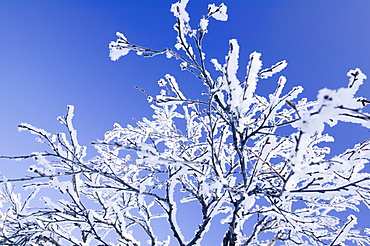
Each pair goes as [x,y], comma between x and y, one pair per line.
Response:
[55,52]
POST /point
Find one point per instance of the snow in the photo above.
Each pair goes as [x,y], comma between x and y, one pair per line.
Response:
[118,48]
[203,24]
[225,152]
[218,12]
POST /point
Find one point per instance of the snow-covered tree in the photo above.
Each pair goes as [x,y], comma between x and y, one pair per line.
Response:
[256,164]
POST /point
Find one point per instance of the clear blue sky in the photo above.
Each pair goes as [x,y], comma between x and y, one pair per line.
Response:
[55,52]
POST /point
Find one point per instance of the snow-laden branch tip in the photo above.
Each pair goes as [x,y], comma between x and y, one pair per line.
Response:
[218,12]
[118,48]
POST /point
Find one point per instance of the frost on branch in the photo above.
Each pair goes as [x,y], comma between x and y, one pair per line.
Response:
[257,164]
[171,92]
[218,12]
[119,48]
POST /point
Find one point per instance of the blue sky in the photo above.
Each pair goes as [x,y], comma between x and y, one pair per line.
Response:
[54,53]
